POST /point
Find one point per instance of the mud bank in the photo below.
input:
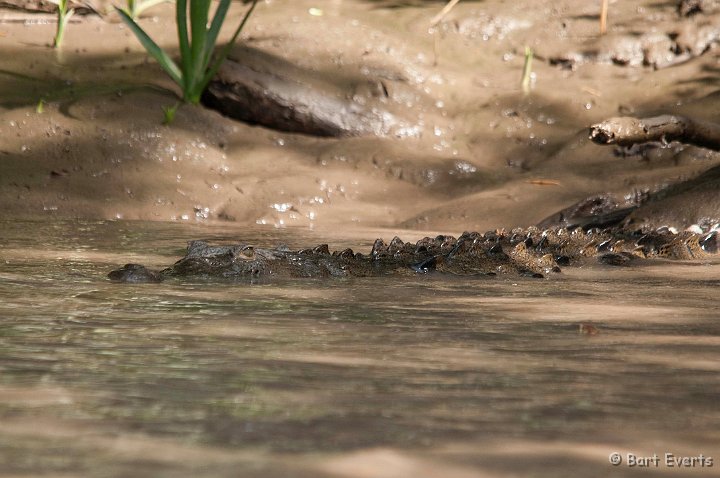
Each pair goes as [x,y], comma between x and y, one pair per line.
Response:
[473,152]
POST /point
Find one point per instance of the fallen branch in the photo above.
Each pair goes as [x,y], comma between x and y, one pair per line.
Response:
[626,131]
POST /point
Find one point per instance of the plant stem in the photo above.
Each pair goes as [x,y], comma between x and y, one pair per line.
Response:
[527,70]
[63,16]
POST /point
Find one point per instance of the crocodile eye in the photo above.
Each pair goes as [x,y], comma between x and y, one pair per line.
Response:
[247,252]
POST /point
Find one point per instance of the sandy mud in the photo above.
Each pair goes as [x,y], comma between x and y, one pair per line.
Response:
[467,150]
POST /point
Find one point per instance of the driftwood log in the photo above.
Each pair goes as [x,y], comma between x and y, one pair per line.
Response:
[626,131]
[282,98]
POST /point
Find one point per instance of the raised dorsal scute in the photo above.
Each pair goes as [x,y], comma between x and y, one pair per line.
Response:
[379,248]
[322,249]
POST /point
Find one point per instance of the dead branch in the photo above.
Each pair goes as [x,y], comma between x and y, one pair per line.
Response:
[626,131]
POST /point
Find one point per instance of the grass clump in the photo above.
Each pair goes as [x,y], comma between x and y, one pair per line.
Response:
[169,113]
[197,63]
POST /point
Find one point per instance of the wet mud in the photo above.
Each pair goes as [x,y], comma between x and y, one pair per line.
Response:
[435,132]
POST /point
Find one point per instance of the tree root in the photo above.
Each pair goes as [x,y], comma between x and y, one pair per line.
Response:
[690,203]
[626,131]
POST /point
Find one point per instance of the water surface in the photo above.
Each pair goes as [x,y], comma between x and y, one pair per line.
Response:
[373,377]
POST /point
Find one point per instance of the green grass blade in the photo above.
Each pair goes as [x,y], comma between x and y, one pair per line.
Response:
[226,49]
[184,42]
[153,49]
[214,30]
[527,71]
[199,10]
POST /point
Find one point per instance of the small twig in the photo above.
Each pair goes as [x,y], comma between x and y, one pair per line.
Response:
[603,16]
[626,131]
[592,91]
[446,9]
[543,182]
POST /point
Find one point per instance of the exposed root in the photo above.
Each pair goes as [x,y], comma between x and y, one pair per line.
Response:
[626,131]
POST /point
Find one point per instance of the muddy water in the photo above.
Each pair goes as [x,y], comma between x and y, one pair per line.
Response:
[428,376]
[345,378]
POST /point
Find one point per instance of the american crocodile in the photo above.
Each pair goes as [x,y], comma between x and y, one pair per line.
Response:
[532,252]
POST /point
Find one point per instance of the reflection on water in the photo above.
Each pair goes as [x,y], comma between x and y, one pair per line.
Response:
[425,376]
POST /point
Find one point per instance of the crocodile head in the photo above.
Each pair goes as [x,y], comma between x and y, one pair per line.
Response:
[233,261]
